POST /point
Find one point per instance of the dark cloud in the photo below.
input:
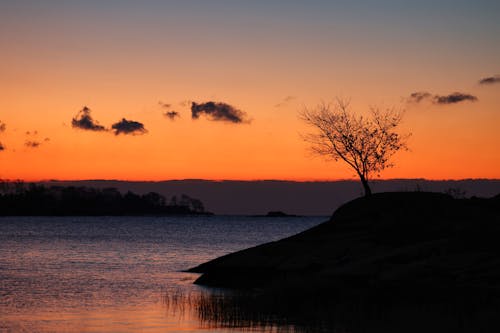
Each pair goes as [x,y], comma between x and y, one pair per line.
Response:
[172,115]
[46,139]
[83,120]
[218,112]
[125,126]
[285,101]
[419,96]
[2,129]
[32,144]
[169,113]
[454,98]
[490,80]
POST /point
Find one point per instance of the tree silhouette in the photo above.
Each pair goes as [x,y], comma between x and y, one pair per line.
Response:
[366,144]
[35,199]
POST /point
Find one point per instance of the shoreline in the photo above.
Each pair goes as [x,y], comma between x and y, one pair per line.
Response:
[393,239]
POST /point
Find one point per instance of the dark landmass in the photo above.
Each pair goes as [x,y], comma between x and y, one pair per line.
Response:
[413,241]
[277,213]
[17,199]
[397,262]
[319,198]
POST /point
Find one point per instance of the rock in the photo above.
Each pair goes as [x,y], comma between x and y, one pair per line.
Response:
[416,239]
[279,214]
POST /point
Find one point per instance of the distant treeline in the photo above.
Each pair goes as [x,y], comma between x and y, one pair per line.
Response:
[31,199]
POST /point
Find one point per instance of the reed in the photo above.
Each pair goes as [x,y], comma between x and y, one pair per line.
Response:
[309,310]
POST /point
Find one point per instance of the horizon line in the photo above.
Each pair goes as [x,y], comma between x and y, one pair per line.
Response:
[246,180]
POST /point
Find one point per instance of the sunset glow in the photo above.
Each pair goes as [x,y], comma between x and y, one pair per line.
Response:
[265,59]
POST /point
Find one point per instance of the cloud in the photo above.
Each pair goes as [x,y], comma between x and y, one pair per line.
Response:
[172,115]
[164,105]
[285,101]
[419,96]
[218,112]
[2,127]
[125,126]
[46,139]
[32,144]
[2,147]
[490,80]
[454,98]
[169,113]
[83,120]
[31,133]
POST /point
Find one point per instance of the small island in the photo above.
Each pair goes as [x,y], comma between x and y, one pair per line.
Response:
[276,213]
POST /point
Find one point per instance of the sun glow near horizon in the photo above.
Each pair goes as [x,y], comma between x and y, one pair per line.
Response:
[137,63]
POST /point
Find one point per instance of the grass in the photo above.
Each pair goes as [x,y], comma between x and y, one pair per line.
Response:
[309,310]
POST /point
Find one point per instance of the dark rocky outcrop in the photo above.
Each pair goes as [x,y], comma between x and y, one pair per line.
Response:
[416,239]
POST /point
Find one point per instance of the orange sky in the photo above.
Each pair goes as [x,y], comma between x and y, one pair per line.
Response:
[121,61]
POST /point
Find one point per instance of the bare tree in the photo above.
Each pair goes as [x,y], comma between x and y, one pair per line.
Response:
[366,144]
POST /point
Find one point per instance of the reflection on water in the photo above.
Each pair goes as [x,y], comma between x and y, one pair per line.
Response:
[120,274]
[310,310]
[109,274]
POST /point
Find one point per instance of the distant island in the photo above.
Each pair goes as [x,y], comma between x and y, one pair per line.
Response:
[18,199]
[276,213]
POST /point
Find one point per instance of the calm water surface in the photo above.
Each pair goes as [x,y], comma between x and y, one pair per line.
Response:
[111,274]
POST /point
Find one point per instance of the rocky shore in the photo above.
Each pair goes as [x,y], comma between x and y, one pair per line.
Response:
[413,240]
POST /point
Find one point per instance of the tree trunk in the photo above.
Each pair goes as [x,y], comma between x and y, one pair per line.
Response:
[366,187]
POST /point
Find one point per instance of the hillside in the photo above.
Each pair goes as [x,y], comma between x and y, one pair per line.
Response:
[392,239]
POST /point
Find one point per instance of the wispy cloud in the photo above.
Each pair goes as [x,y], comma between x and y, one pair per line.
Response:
[218,112]
[83,120]
[490,80]
[32,144]
[127,127]
[452,98]
[2,129]
[165,105]
[419,96]
[172,115]
[285,101]
[34,133]
[169,113]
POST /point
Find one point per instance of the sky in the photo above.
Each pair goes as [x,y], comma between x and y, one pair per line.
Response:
[158,90]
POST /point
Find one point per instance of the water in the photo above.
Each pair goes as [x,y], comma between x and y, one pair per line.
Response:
[111,274]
